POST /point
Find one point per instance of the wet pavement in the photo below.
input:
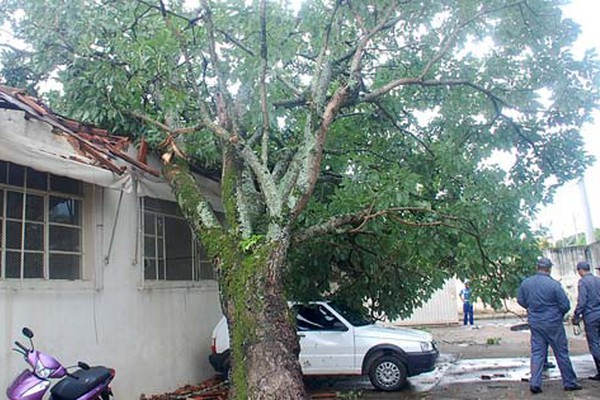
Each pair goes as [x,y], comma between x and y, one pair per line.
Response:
[485,378]
[488,362]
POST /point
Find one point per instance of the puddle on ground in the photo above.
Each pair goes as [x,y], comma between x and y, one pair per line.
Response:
[451,371]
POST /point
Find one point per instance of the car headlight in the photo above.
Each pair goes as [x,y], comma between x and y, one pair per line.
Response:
[41,371]
[426,346]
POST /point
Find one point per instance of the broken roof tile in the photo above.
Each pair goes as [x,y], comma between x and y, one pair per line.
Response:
[95,143]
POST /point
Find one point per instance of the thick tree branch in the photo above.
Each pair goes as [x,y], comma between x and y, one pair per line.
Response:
[372,96]
[315,147]
[196,208]
[353,223]
[225,129]
[320,80]
[223,114]
[446,45]
[292,103]
[262,83]
[230,133]
[318,88]
[151,121]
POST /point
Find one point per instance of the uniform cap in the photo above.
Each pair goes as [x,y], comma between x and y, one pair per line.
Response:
[544,263]
[583,265]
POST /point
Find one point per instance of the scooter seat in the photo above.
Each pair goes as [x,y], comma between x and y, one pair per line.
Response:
[72,388]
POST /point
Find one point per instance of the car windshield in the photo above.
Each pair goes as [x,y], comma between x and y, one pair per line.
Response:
[354,317]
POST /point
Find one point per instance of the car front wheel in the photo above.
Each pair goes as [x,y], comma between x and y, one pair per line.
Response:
[388,373]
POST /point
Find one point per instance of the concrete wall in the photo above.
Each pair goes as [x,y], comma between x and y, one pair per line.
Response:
[565,260]
[440,309]
[156,338]
[445,306]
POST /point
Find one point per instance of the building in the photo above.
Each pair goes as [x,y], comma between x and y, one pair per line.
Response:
[441,308]
[565,261]
[95,257]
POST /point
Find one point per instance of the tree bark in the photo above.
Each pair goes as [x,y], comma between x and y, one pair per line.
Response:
[263,341]
[264,346]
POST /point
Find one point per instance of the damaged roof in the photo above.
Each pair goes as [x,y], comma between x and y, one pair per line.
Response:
[95,144]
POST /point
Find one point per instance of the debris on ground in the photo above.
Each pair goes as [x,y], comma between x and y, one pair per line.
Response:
[493,340]
[212,389]
[490,377]
[520,327]
[215,388]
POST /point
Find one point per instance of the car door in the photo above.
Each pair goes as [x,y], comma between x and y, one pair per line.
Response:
[326,342]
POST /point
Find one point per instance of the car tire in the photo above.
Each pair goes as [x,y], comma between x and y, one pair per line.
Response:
[388,373]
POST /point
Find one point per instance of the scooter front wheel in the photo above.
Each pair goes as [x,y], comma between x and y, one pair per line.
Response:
[105,395]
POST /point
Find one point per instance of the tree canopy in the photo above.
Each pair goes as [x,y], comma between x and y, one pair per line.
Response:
[441,92]
[396,143]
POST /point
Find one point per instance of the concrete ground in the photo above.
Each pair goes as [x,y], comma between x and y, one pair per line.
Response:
[488,362]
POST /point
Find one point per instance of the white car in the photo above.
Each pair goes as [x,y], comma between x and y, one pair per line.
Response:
[336,341]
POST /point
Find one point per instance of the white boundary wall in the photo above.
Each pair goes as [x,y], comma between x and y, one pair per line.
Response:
[440,309]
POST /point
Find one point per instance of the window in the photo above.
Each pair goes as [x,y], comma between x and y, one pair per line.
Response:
[40,224]
[171,253]
[315,317]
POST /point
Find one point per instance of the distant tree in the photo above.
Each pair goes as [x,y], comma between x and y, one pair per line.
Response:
[355,140]
[578,239]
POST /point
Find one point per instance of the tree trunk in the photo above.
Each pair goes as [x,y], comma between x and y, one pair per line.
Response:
[263,338]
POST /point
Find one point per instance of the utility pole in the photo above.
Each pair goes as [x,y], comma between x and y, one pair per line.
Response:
[587,215]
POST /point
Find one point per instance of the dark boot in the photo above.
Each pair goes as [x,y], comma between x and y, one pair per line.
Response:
[597,376]
[548,365]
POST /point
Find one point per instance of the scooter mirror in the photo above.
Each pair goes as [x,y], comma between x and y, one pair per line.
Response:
[27,332]
[83,365]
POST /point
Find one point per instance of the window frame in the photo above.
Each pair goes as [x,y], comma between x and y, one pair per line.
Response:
[325,320]
[199,262]
[86,256]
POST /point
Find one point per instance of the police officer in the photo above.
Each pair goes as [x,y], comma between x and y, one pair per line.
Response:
[547,303]
[588,309]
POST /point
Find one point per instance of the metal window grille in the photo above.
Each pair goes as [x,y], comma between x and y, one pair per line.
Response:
[171,252]
[41,224]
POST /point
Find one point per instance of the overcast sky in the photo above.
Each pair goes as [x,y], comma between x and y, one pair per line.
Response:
[565,216]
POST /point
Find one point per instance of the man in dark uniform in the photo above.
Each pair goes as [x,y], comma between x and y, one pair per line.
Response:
[547,303]
[588,309]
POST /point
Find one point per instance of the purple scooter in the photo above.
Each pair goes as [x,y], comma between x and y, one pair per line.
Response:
[87,383]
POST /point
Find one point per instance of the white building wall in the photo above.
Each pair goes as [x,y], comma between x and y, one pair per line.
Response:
[440,309]
[565,265]
[156,339]
[445,306]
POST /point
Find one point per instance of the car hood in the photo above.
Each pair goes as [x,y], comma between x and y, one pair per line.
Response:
[388,332]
